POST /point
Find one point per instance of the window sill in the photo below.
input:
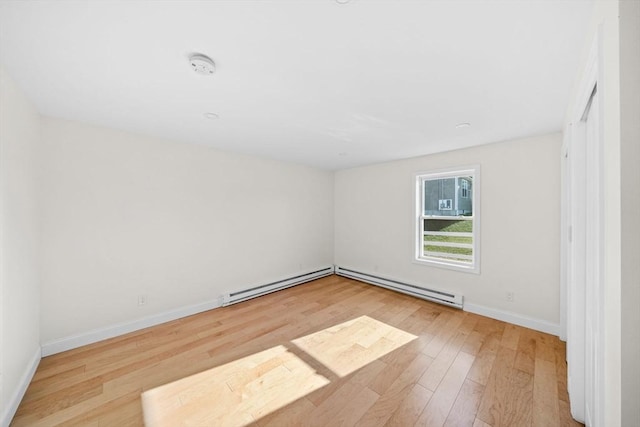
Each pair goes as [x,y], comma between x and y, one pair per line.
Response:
[474,269]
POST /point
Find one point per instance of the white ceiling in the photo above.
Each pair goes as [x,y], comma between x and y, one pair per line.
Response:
[310,81]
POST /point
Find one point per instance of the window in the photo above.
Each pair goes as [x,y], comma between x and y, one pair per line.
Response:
[447,218]
[464,188]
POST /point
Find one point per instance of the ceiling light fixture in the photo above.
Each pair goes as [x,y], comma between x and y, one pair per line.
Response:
[202,64]
[463,125]
[211,116]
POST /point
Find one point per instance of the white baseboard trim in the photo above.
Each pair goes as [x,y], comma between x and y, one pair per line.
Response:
[14,401]
[516,319]
[90,337]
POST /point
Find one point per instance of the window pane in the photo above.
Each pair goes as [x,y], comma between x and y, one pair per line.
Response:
[449,225]
[448,239]
[448,196]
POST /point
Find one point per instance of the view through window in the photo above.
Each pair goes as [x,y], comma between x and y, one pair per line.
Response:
[447,218]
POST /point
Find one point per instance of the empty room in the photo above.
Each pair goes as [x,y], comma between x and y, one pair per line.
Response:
[320,213]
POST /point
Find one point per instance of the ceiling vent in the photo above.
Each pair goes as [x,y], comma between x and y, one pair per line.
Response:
[202,64]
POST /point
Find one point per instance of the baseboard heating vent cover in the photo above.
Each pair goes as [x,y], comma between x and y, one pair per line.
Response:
[246,294]
[446,298]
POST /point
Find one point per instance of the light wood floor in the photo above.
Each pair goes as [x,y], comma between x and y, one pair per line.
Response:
[328,353]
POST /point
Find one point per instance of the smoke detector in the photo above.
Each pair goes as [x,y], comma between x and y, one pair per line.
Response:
[202,64]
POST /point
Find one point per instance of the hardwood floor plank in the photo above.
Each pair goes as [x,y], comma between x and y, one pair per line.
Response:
[440,404]
[561,372]
[510,336]
[42,387]
[397,365]
[362,378]
[295,415]
[473,343]
[395,393]
[444,335]
[335,403]
[545,395]
[445,358]
[464,410]
[419,321]
[85,353]
[355,409]
[485,358]
[478,371]
[526,352]
[113,412]
[61,399]
[508,395]
[479,423]
[410,408]
[545,346]
[433,376]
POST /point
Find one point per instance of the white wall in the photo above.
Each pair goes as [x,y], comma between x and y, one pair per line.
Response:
[630,209]
[519,197]
[19,239]
[126,215]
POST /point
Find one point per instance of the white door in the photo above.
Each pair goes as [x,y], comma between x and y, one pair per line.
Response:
[593,285]
[584,273]
[575,166]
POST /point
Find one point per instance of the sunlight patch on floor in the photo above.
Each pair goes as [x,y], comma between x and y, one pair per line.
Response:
[351,345]
[235,394]
[241,392]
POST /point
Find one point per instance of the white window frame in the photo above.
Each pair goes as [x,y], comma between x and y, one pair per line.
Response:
[418,219]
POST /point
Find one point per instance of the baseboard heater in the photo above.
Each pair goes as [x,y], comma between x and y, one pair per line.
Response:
[446,298]
[246,294]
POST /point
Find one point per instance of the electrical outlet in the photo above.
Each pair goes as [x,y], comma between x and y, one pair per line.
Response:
[510,296]
[142,300]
